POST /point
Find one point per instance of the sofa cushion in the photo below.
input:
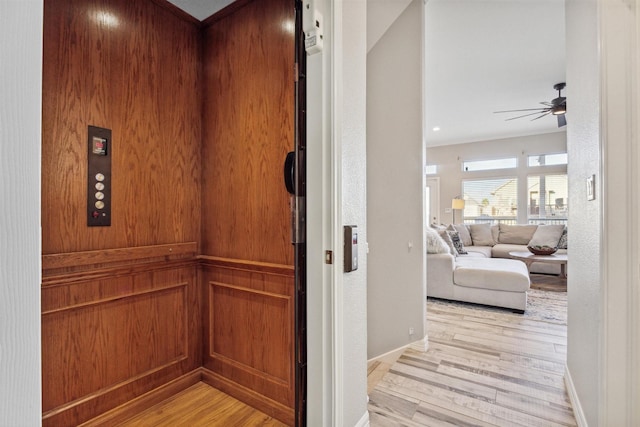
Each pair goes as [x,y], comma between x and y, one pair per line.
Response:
[463,232]
[502,250]
[516,234]
[547,235]
[435,244]
[481,235]
[496,274]
[484,251]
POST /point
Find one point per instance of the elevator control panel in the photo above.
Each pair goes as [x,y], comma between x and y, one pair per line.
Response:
[350,248]
[100,147]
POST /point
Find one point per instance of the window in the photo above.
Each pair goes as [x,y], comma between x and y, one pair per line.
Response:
[491,200]
[548,159]
[431,169]
[483,165]
[547,199]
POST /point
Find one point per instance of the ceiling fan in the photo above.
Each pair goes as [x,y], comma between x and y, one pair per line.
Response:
[557,107]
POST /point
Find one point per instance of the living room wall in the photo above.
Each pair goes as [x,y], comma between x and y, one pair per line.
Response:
[448,159]
[395,186]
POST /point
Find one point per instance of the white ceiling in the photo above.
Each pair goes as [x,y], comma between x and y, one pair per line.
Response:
[490,55]
[481,56]
[201,9]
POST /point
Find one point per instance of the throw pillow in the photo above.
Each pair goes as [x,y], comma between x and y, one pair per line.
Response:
[562,243]
[457,242]
[445,236]
[435,244]
[481,235]
[516,234]
[547,235]
[463,232]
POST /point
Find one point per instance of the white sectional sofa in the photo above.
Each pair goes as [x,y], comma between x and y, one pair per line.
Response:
[477,268]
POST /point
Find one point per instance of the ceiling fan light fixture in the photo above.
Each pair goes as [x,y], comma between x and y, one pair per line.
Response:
[557,107]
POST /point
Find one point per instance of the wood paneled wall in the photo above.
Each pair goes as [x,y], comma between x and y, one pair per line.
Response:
[121,304]
[247,131]
[248,274]
[132,67]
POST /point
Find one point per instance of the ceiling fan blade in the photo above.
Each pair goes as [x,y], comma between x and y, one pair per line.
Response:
[562,120]
[548,104]
[525,109]
[539,111]
[542,115]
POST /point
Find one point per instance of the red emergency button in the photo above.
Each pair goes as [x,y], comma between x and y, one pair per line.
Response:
[95,214]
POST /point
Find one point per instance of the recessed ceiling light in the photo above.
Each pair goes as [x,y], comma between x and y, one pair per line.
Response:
[436,128]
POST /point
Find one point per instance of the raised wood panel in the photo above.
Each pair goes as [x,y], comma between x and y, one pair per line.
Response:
[248,128]
[249,329]
[133,67]
[107,341]
[253,315]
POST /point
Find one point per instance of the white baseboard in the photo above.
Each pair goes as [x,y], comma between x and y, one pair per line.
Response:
[364,421]
[393,355]
[420,345]
[389,356]
[573,398]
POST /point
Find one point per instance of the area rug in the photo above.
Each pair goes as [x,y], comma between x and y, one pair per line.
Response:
[548,282]
[543,306]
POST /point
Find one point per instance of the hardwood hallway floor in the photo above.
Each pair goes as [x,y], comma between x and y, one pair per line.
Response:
[484,367]
[199,406]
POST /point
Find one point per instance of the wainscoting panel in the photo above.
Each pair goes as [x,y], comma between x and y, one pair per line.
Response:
[108,340]
[249,312]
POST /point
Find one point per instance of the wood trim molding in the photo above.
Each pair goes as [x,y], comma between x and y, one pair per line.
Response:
[112,272]
[619,93]
[246,265]
[107,256]
[145,401]
[250,397]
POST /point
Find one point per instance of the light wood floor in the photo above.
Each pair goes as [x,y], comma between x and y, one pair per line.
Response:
[200,406]
[482,368]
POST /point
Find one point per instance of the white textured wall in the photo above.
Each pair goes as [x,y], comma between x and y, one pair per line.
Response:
[352,97]
[20,126]
[449,158]
[380,15]
[584,270]
[395,186]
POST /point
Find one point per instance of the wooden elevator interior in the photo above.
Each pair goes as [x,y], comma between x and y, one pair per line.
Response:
[194,279]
